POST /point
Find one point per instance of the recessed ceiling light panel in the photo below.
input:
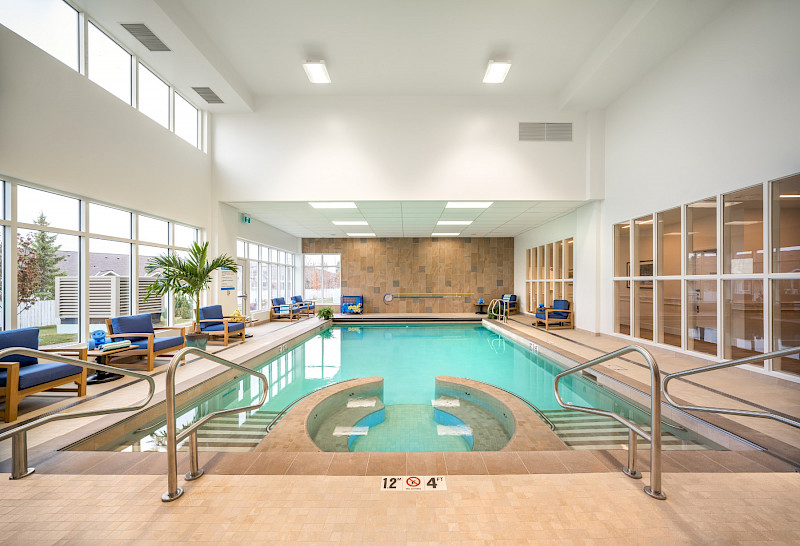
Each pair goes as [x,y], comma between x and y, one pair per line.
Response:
[333,205]
[350,223]
[442,234]
[469,204]
[496,71]
[361,235]
[316,71]
[453,222]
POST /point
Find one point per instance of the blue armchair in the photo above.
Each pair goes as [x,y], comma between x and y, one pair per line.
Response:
[140,331]
[309,307]
[21,376]
[213,323]
[558,316]
[280,310]
[510,303]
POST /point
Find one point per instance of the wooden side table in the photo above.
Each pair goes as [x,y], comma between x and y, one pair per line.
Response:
[102,357]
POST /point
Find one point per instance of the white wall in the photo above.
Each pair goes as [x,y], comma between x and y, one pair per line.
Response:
[384,148]
[721,113]
[60,130]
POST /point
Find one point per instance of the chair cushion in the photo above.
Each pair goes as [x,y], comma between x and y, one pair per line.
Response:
[297,299]
[22,337]
[220,327]
[559,315]
[540,316]
[135,324]
[43,372]
[159,343]
[278,301]
[210,312]
[561,304]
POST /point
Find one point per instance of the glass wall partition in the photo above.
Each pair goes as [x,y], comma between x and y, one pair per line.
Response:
[730,305]
[550,271]
[264,273]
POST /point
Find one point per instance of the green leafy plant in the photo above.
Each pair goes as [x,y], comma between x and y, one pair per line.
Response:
[325,313]
[186,277]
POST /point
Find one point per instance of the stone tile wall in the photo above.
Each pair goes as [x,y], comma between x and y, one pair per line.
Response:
[372,267]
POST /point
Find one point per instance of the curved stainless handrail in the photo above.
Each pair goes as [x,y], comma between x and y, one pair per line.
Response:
[18,435]
[654,489]
[532,406]
[502,309]
[729,364]
[284,410]
[173,491]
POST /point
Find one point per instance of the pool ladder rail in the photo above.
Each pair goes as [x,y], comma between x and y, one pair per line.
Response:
[654,489]
[499,308]
[730,364]
[173,437]
[18,435]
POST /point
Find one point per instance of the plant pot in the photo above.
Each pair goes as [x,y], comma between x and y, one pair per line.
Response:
[197,340]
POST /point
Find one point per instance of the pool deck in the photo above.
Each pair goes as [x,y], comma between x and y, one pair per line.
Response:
[330,497]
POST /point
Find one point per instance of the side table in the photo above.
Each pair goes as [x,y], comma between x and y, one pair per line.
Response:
[102,357]
[480,307]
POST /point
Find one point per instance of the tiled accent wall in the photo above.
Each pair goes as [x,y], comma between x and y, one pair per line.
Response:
[372,267]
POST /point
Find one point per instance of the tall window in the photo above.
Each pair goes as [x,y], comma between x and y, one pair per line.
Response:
[50,24]
[186,120]
[53,285]
[153,96]
[323,278]
[265,273]
[549,269]
[109,64]
[721,296]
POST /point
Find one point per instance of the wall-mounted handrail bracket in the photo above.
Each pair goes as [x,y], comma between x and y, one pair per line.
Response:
[654,489]
[729,364]
[173,438]
[18,435]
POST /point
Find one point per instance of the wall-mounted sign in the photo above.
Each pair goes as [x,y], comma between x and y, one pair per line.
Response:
[227,279]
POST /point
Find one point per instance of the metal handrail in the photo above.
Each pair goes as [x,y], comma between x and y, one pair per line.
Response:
[729,364]
[18,435]
[173,438]
[530,404]
[296,400]
[502,309]
[654,489]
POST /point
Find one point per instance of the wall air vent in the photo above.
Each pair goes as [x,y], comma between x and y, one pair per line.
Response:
[545,132]
[146,36]
[208,95]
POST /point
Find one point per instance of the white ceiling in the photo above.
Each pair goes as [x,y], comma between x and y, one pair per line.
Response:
[407,218]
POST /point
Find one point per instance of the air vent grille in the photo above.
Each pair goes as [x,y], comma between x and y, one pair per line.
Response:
[146,36]
[208,95]
[541,132]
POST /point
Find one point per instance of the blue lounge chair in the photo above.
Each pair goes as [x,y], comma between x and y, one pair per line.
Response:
[281,310]
[558,316]
[139,329]
[213,323]
[21,376]
[309,307]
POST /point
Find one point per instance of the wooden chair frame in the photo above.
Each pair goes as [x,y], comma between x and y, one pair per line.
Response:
[555,323]
[149,352]
[282,316]
[224,332]
[14,396]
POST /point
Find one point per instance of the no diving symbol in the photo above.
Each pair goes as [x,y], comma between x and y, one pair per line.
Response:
[413,481]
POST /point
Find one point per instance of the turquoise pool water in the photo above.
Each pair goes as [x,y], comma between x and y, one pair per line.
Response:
[409,358]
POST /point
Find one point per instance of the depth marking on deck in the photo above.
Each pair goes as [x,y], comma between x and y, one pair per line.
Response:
[413,483]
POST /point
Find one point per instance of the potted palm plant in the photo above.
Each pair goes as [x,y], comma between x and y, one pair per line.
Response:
[189,277]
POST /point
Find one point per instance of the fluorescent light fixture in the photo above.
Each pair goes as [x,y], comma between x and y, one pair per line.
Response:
[453,222]
[626,226]
[316,72]
[650,221]
[790,196]
[350,223]
[496,71]
[333,205]
[361,235]
[435,234]
[468,204]
[742,222]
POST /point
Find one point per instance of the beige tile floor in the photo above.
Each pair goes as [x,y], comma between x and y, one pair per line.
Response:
[721,508]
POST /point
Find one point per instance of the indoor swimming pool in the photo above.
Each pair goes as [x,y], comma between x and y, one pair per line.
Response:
[409,358]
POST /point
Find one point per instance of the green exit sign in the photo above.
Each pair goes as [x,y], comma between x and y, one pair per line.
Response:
[245,219]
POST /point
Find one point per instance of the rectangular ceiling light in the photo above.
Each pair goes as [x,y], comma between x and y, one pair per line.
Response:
[453,222]
[361,235]
[469,204]
[333,205]
[442,234]
[350,223]
[496,71]
[316,72]
[790,196]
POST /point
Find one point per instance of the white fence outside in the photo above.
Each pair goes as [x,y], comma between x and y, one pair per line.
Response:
[41,313]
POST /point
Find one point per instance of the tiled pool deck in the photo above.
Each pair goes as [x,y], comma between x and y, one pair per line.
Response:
[515,495]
